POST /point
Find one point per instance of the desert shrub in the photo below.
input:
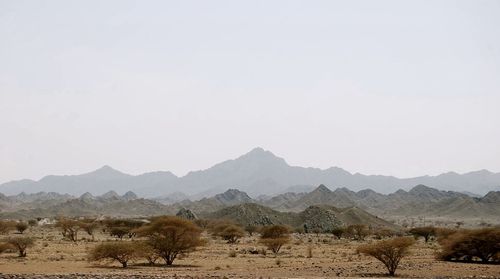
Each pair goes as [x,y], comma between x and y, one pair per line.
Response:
[119,251]
[89,226]
[202,223]
[5,247]
[274,237]
[389,252]
[170,236]
[21,244]
[358,231]
[425,232]
[232,254]
[338,232]
[231,233]
[119,232]
[443,233]
[251,229]
[468,245]
[382,233]
[32,222]
[146,251]
[6,226]
[299,230]
[21,227]
[122,227]
[69,228]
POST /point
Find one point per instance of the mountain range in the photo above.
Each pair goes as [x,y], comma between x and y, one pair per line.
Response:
[258,172]
[417,202]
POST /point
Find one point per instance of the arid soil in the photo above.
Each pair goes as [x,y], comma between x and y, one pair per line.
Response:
[53,257]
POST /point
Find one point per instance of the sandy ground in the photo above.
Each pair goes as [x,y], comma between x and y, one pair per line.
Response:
[330,258]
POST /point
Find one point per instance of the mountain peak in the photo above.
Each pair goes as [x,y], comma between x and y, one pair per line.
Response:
[110,195]
[322,189]
[232,196]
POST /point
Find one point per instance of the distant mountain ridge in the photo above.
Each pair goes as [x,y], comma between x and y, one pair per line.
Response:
[322,203]
[257,172]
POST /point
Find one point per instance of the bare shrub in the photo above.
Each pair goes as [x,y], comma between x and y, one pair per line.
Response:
[21,227]
[146,251]
[89,226]
[425,232]
[468,245]
[69,228]
[389,252]
[358,231]
[119,232]
[382,233]
[6,226]
[338,232]
[170,236]
[21,244]
[119,251]
[250,229]
[274,237]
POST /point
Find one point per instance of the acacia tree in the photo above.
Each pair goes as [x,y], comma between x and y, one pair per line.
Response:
[274,237]
[425,232]
[21,244]
[358,231]
[389,252]
[89,226]
[69,228]
[469,244]
[338,232]
[5,226]
[229,232]
[119,251]
[21,227]
[170,236]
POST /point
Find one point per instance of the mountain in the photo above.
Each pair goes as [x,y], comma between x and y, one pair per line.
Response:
[312,218]
[228,198]
[256,172]
[314,209]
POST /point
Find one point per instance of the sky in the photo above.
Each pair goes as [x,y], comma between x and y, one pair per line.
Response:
[403,88]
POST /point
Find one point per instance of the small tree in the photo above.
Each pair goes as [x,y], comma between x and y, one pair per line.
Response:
[21,244]
[274,237]
[146,251]
[231,233]
[32,222]
[170,236]
[250,229]
[89,226]
[120,251]
[389,252]
[21,227]
[69,228]
[425,232]
[119,232]
[338,232]
[358,231]
[6,226]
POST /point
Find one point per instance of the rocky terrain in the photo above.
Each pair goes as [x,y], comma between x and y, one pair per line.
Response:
[418,201]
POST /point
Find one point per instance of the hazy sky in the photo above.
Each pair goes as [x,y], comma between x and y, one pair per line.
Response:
[402,88]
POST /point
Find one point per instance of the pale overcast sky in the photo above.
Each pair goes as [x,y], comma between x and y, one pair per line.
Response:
[401,88]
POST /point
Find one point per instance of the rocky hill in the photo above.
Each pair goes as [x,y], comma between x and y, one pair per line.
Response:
[322,218]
